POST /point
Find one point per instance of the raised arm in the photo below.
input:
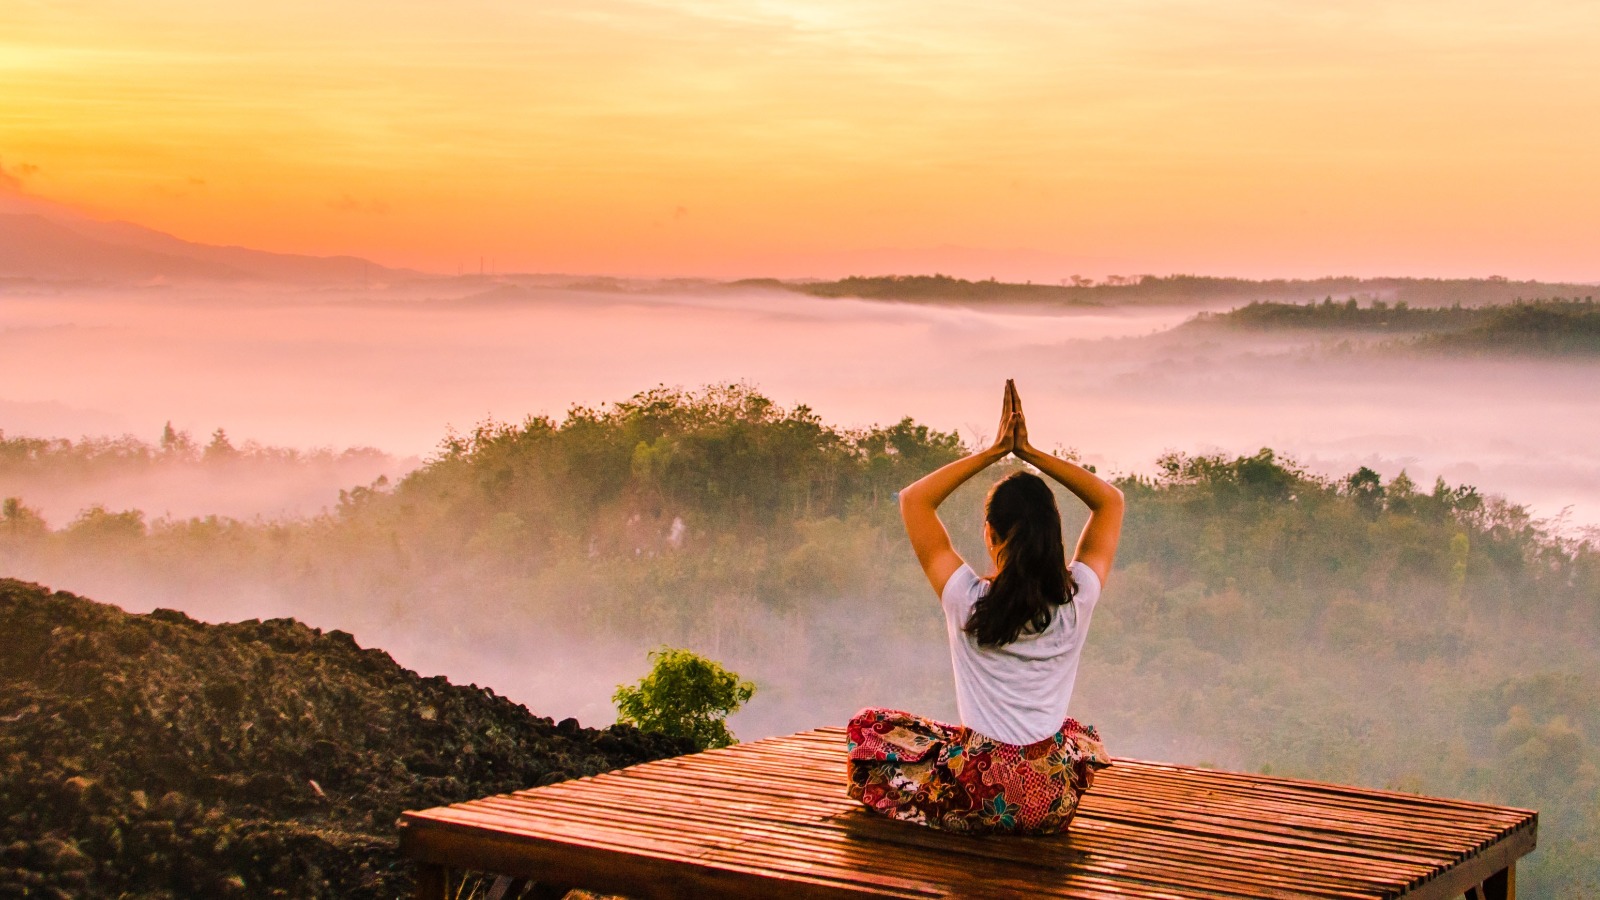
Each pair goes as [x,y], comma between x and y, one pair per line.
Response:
[1097,545]
[919,503]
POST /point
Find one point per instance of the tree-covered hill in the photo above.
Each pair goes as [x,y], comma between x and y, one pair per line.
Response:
[1548,327]
[1176,289]
[1557,326]
[1348,315]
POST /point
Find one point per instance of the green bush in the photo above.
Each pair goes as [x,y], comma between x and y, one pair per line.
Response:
[685,695]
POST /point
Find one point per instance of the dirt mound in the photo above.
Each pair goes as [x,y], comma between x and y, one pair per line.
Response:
[156,756]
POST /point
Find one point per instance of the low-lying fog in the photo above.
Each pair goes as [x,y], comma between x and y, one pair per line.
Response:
[392,369]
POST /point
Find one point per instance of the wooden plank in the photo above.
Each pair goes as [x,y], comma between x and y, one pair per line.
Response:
[1420,800]
[1114,782]
[1190,784]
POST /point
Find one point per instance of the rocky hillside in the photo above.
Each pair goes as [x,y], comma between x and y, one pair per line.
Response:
[156,756]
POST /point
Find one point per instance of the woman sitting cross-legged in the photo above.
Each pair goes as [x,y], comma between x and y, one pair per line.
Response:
[1016,763]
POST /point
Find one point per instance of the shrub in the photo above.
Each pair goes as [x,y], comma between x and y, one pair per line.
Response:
[685,695]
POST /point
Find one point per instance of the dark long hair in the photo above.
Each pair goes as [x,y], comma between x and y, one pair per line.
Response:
[1032,579]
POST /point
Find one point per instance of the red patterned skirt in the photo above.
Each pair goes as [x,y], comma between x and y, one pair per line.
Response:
[952,778]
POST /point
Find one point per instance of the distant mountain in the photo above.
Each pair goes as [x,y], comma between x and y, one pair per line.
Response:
[32,246]
[41,241]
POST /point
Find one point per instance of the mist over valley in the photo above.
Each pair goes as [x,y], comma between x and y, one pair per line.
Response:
[393,367]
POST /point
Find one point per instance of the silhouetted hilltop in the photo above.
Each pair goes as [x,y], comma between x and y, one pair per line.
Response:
[1545,326]
[33,246]
[1176,289]
[1344,316]
[156,756]
[67,247]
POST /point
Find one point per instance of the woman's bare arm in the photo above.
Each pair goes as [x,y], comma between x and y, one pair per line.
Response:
[919,503]
[1097,545]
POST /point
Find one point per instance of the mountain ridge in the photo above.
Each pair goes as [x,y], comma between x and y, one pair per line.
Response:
[48,242]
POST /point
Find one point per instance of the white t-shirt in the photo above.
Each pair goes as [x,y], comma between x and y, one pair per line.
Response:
[1018,693]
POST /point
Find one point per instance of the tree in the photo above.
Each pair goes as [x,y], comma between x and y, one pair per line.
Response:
[19,521]
[220,449]
[177,444]
[1365,487]
[98,524]
[685,695]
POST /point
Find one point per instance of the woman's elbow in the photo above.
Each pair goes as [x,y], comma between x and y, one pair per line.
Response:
[912,501]
[1112,501]
[906,500]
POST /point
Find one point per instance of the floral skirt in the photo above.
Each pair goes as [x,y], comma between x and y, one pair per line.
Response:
[952,778]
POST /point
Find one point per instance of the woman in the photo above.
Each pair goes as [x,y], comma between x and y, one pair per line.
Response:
[1016,763]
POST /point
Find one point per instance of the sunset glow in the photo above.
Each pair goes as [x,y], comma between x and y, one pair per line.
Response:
[1022,140]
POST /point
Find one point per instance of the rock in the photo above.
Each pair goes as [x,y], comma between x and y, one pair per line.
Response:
[80,792]
[56,855]
[172,805]
[265,787]
[173,616]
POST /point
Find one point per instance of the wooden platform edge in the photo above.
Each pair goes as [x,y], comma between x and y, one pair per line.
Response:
[1500,855]
[635,875]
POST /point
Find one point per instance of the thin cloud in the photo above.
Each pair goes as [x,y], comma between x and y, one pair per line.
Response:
[348,204]
[11,181]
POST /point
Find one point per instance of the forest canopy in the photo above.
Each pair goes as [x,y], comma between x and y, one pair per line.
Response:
[1203,290]
[1547,326]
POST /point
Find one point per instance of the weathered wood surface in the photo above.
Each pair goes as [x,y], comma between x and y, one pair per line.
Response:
[770,819]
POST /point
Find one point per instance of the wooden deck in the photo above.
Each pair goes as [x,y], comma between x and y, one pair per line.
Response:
[770,819]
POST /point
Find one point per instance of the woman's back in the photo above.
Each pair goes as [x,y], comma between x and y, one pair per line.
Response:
[1017,692]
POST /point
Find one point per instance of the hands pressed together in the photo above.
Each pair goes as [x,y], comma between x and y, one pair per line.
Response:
[1013,434]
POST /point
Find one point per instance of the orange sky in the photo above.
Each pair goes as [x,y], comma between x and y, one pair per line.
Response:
[740,137]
